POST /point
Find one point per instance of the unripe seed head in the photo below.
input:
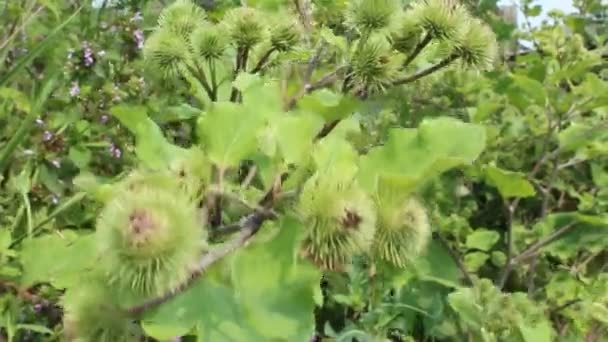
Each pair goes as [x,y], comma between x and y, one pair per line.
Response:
[408,34]
[375,66]
[476,44]
[149,239]
[181,18]
[207,42]
[371,15]
[403,230]
[245,26]
[91,315]
[340,220]
[440,18]
[284,34]
[167,54]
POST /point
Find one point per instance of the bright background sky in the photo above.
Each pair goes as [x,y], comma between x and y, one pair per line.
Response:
[547,5]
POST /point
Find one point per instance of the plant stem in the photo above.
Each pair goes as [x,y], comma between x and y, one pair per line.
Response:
[27,123]
[418,49]
[442,64]
[214,86]
[532,251]
[456,259]
[262,62]
[250,226]
[241,65]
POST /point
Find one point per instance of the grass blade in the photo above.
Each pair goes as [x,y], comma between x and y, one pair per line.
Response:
[48,40]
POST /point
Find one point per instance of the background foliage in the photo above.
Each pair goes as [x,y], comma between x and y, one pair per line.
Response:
[507,156]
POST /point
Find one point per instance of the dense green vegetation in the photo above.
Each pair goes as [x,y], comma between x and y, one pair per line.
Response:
[306,170]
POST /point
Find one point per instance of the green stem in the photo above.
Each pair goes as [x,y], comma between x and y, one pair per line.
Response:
[198,89]
[77,198]
[212,71]
[26,124]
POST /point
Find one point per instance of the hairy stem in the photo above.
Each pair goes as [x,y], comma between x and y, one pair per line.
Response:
[532,251]
[442,64]
[249,227]
[418,49]
[241,65]
[457,259]
[308,88]
[263,60]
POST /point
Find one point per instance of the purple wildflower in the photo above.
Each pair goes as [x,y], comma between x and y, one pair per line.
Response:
[176,339]
[88,54]
[38,307]
[139,38]
[136,17]
[46,136]
[75,89]
[115,151]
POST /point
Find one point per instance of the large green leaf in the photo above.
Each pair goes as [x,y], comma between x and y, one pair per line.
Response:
[271,297]
[437,265]
[37,50]
[275,288]
[509,183]
[531,88]
[587,232]
[413,156]
[229,132]
[580,135]
[208,306]
[482,239]
[152,149]
[328,104]
[465,304]
[293,135]
[58,259]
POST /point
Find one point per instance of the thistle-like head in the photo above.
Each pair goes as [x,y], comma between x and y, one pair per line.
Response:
[340,219]
[371,15]
[476,44]
[403,228]
[208,42]
[284,34]
[167,54]
[149,238]
[375,66]
[439,18]
[245,26]
[181,18]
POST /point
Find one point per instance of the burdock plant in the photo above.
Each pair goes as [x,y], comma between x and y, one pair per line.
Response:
[260,138]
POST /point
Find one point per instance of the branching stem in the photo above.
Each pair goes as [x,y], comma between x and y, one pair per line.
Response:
[249,227]
[442,64]
[418,49]
[263,60]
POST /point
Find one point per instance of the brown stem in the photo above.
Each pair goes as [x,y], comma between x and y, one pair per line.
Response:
[262,62]
[532,251]
[418,49]
[308,88]
[442,64]
[456,259]
[249,227]
[241,65]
